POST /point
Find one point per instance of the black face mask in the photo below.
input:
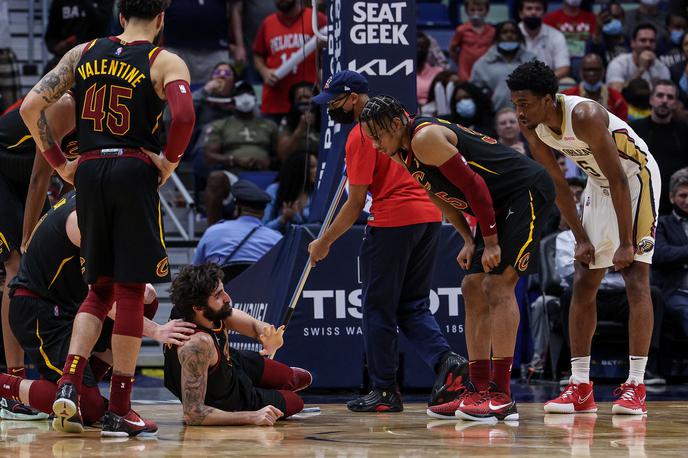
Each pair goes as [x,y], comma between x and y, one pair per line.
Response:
[285,6]
[532,22]
[340,116]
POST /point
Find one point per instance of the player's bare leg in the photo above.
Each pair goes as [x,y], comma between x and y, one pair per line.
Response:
[85,335]
[631,394]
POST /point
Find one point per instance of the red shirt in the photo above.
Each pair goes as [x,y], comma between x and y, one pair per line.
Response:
[473,45]
[277,39]
[577,29]
[398,200]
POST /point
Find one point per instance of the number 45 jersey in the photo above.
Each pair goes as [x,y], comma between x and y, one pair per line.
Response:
[116,103]
[633,152]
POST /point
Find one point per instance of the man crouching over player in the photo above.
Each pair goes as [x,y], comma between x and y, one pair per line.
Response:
[219,386]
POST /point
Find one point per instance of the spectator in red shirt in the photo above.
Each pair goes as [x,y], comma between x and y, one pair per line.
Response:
[577,25]
[397,257]
[592,87]
[280,36]
[472,39]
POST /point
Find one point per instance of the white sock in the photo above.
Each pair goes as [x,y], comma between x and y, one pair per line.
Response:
[636,373]
[580,369]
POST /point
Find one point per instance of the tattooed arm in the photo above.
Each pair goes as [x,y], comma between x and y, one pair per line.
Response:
[196,357]
[46,92]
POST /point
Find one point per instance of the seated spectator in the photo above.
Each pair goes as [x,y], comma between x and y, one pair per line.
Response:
[669,49]
[471,108]
[547,43]
[237,143]
[577,25]
[471,39]
[679,75]
[666,137]
[441,89]
[612,301]
[670,261]
[300,129]
[71,22]
[291,192]
[244,239]
[609,39]
[426,72]
[280,35]
[213,101]
[508,52]
[637,95]
[508,131]
[198,33]
[648,12]
[641,62]
[592,87]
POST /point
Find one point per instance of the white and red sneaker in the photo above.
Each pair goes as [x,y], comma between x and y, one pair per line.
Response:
[576,398]
[491,406]
[631,400]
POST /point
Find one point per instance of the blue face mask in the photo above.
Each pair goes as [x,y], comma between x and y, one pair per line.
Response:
[508,46]
[613,27]
[677,36]
[465,108]
[592,87]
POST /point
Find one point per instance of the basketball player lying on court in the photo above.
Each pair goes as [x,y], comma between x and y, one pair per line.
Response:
[46,294]
[219,386]
[511,195]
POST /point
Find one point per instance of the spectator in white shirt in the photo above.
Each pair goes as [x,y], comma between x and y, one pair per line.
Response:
[641,62]
[547,43]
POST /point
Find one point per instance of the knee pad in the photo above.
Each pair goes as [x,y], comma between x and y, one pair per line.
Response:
[99,299]
[129,317]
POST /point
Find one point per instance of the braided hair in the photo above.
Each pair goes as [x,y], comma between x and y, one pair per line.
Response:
[380,111]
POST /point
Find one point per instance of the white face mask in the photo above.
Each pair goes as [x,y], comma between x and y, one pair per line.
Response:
[244,103]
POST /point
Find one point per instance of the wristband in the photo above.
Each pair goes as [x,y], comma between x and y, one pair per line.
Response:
[54,156]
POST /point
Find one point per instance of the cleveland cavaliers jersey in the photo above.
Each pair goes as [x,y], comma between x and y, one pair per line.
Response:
[15,137]
[116,103]
[221,384]
[505,171]
[51,266]
[633,151]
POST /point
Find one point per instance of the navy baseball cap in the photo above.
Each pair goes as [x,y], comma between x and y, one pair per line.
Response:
[342,83]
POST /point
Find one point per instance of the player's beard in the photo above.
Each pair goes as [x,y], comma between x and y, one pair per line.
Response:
[217,316]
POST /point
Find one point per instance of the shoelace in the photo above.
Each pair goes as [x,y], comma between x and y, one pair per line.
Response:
[568,392]
[625,392]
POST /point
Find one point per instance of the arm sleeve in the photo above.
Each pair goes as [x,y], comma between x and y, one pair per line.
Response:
[474,188]
[181,107]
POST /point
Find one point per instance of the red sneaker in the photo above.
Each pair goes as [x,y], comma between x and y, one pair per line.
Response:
[576,398]
[447,411]
[492,406]
[631,400]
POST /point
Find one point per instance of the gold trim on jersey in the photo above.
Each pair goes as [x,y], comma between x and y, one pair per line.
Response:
[482,167]
[23,139]
[157,123]
[152,51]
[43,353]
[645,219]
[625,144]
[4,242]
[162,238]
[530,232]
[59,269]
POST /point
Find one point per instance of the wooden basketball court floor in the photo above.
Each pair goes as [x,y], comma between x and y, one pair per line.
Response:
[335,432]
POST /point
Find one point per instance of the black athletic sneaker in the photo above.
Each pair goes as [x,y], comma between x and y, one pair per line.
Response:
[378,400]
[451,379]
[15,410]
[129,425]
[66,408]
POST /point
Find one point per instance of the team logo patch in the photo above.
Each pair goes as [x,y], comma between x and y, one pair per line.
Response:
[523,262]
[83,265]
[119,51]
[163,267]
[645,246]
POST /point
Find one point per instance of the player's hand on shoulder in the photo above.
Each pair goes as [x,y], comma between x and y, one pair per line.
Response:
[267,416]
[175,332]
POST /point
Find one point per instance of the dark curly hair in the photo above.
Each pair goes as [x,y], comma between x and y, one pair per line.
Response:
[192,287]
[534,76]
[379,112]
[142,9]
